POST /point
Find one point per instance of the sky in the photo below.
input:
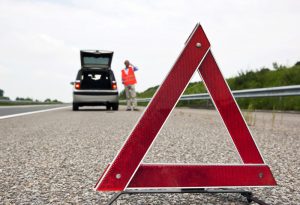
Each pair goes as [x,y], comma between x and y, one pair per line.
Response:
[40,40]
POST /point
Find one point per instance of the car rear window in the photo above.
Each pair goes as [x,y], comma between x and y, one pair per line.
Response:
[96,61]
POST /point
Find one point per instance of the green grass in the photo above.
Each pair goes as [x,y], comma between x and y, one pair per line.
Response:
[260,78]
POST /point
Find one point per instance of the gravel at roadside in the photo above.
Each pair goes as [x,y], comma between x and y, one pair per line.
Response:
[57,157]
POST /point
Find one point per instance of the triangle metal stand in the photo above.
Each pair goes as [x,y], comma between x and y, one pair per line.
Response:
[249,195]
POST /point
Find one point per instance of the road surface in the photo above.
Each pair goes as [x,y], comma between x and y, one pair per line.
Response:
[56,157]
[12,111]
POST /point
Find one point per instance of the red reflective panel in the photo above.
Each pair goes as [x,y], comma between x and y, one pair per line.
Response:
[125,164]
[229,110]
[188,176]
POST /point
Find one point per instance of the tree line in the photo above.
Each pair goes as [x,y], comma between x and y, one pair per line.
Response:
[27,99]
[278,75]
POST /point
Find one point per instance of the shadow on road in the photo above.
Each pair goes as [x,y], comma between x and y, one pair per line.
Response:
[94,109]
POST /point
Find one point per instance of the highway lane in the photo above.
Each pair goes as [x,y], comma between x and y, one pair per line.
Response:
[57,156]
[16,110]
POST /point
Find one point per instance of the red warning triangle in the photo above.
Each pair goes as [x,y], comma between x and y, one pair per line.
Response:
[126,170]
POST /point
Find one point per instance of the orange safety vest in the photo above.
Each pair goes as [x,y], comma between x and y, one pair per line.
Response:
[129,78]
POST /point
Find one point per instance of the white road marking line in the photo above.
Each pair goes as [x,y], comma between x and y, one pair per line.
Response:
[22,106]
[32,112]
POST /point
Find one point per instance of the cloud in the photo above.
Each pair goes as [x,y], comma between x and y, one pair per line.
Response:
[40,40]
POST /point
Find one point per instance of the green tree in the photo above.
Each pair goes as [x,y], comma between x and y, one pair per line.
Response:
[28,99]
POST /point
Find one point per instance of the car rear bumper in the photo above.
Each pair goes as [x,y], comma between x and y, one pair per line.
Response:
[95,97]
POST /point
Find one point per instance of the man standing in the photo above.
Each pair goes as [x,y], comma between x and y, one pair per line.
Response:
[129,81]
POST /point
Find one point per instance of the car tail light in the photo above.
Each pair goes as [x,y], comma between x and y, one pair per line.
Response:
[77,85]
[114,85]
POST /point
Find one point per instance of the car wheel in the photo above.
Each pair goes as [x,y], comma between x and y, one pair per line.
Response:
[108,107]
[115,106]
[75,107]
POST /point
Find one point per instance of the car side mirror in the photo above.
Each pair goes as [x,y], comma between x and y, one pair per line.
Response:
[71,83]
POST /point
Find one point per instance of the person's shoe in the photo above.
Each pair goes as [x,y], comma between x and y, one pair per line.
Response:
[128,109]
[136,109]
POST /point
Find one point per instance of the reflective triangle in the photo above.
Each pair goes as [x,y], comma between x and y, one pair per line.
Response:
[126,170]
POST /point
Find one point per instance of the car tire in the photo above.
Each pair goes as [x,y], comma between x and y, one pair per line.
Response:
[115,106]
[108,107]
[75,106]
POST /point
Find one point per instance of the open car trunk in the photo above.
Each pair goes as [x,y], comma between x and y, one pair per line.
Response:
[95,59]
[95,79]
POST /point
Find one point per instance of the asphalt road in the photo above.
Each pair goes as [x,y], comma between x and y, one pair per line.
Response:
[56,157]
[13,110]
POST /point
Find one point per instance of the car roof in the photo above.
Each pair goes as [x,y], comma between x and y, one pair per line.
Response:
[97,51]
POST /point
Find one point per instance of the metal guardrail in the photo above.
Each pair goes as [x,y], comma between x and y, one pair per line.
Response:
[282,91]
[5,100]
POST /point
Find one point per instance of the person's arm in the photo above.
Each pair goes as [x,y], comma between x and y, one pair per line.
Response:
[135,68]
